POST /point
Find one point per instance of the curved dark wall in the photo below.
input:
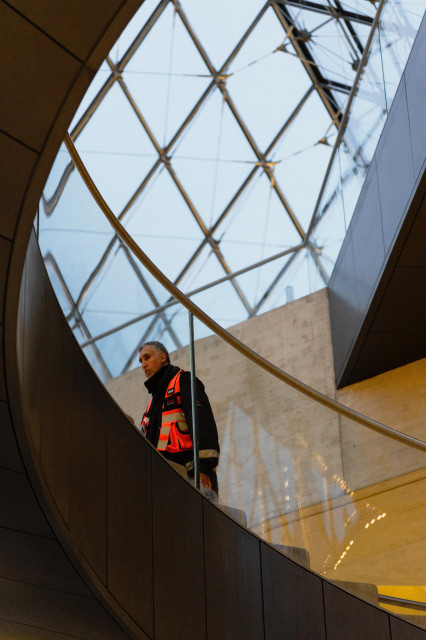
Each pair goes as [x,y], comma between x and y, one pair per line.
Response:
[169,563]
[99,537]
[49,57]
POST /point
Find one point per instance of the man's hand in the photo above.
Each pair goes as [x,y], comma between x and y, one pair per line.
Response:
[205,481]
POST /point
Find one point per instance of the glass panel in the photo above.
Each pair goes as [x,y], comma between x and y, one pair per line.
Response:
[397,33]
[96,85]
[230,20]
[328,492]
[168,233]
[166,76]
[133,29]
[71,227]
[116,150]
[266,84]
[213,158]
[353,158]
[302,157]
[222,301]
[297,278]
[258,282]
[369,107]
[260,229]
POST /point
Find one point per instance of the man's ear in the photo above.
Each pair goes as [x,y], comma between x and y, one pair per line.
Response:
[163,358]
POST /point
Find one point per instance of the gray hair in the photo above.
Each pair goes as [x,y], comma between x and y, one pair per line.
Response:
[159,346]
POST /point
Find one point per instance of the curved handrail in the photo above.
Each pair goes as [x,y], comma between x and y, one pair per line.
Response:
[402,602]
[220,331]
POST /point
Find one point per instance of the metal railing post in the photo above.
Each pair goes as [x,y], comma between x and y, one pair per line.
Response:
[195,446]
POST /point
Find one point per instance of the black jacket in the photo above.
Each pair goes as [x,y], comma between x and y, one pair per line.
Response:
[207,431]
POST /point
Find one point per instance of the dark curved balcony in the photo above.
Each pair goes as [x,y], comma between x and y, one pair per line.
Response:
[88,507]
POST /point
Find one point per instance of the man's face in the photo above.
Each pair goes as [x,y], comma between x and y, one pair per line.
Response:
[151,360]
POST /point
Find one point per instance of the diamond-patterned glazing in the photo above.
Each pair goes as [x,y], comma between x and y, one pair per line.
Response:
[209,130]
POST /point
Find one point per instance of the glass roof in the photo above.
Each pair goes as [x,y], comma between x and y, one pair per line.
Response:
[209,131]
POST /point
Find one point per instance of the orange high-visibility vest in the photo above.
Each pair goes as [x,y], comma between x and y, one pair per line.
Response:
[174,432]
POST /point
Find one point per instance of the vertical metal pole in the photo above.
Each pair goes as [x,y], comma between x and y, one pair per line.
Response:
[194,402]
[37,230]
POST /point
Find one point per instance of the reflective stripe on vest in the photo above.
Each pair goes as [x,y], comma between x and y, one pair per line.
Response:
[174,432]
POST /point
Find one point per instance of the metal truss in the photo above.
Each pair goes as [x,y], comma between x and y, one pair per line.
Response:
[297,41]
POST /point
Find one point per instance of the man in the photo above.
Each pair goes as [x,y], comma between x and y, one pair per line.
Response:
[167,421]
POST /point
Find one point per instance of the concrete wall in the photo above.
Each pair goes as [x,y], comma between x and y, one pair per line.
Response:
[295,337]
[397,399]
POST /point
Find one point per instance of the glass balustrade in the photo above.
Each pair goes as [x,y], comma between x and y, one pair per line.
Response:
[345,500]
[335,496]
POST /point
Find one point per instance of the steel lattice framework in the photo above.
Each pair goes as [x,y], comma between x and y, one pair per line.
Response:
[301,24]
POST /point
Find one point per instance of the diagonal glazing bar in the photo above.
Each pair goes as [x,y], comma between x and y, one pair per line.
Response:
[246,182]
[268,151]
[274,283]
[308,62]
[49,258]
[151,295]
[345,118]
[93,105]
[157,164]
[139,115]
[344,17]
[85,118]
[112,244]
[145,336]
[315,255]
[220,72]
[75,313]
[214,245]
[50,204]
[210,285]
[117,69]
[96,271]
[325,9]
[221,85]
[142,34]
[166,161]
[264,164]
